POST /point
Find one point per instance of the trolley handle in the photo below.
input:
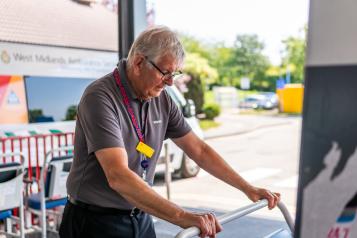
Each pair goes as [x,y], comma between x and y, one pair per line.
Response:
[60,149]
[10,154]
[42,185]
[225,218]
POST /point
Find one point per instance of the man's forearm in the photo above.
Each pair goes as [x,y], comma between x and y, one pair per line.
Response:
[139,194]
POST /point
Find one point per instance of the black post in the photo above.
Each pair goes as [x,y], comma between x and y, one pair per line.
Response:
[126,26]
[327,196]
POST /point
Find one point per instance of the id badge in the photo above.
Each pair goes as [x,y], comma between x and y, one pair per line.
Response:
[145,149]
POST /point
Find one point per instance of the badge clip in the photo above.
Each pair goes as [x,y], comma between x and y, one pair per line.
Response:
[145,149]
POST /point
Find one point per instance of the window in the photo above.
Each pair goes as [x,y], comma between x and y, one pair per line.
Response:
[49,98]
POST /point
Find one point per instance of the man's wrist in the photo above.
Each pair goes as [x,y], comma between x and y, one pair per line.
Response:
[179,217]
[247,188]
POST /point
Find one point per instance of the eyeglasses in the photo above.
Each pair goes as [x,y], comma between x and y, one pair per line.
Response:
[165,76]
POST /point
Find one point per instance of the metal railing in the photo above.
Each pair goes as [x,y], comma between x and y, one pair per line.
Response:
[42,185]
[20,220]
[34,148]
[168,177]
[230,216]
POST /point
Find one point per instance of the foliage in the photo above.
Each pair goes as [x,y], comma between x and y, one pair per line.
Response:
[197,65]
[193,45]
[221,59]
[222,65]
[294,56]
[265,83]
[195,91]
[35,113]
[199,72]
[71,113]
[209,97]
[211,110]
[249,60]
[208,124]
[244,59]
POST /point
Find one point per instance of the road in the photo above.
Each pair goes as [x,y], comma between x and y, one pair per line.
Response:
[265,157]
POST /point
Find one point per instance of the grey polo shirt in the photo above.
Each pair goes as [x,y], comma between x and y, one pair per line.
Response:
[103,122]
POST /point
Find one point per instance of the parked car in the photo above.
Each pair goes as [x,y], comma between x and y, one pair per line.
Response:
[264,100]
[272,97]
[181,164]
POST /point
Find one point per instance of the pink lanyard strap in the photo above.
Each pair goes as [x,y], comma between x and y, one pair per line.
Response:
[129,109]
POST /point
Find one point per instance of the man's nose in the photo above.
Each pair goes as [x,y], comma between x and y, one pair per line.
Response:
[169,81]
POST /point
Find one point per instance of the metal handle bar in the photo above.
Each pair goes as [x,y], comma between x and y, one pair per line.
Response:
[42,185]
[14,154]
[287,216]
[21,210]
[194,231]
[60,149]
[22,160]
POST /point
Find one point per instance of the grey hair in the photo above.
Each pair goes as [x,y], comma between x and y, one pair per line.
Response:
[156,42]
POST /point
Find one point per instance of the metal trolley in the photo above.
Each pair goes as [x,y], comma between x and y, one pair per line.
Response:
[236,214]
[11,192]
[53,191]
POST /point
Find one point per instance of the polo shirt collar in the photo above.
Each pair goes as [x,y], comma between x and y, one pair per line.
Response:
[124,79]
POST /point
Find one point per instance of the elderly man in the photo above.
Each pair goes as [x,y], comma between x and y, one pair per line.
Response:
[117,146]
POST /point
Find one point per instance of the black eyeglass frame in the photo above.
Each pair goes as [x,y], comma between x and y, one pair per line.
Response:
[165,76]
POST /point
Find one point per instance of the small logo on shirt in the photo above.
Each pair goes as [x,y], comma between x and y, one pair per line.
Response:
[157,122]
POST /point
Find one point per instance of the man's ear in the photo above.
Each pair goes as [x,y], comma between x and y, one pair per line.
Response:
[138,63]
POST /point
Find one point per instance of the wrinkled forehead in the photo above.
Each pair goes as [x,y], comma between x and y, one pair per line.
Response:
[170,62]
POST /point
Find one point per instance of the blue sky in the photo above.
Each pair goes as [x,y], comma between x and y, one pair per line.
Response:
[222,20]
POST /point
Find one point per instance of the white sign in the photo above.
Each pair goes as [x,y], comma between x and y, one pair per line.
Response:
[33,60]
[226,97]
[245,83]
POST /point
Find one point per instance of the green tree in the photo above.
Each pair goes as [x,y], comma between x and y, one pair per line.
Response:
[244,59]
[222,59]
[200,73]
[71,113]
[34,113]
[294,56]
[249,60]
[192,45]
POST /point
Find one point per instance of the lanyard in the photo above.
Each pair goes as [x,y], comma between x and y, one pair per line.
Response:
[129,109]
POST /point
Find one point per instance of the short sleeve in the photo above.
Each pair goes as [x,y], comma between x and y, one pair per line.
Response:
[100,122]
[177,125]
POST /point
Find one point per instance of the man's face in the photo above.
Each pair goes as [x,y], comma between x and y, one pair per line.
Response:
[156,75]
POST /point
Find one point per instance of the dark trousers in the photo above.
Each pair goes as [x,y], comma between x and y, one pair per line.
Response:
[78,222]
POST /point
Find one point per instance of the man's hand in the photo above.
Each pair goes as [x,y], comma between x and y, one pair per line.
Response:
[206,222]
[255,194]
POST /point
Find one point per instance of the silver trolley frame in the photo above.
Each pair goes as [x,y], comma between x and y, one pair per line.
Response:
[225,218]
[42,185]
[19,177]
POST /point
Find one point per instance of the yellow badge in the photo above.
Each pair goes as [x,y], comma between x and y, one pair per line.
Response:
[145,149]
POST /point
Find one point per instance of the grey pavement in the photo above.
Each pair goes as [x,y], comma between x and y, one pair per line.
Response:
[234,123]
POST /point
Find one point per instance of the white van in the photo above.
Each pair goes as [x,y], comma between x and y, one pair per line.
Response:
[180,163]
